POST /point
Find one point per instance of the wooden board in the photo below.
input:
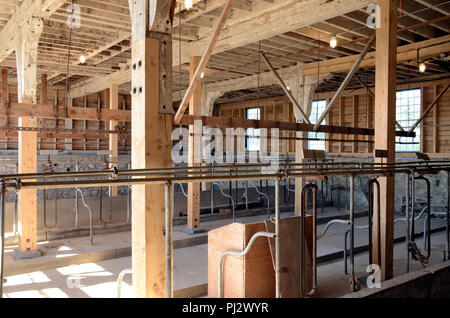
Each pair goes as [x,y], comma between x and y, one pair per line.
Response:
[290,255]
[248,276]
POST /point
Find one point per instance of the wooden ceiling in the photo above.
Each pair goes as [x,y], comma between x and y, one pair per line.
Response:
[104,38]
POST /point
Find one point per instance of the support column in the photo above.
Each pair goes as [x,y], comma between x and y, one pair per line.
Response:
[5,98]
[152,117]
[195,108]
[113,138]
[26,59]
[385,101]
[69,125]
[302,89]
[208,99]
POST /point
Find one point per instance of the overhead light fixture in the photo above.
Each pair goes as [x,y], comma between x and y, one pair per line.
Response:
[82,59]
[288,88]
[333,41]
[422,67]
[202,75]
[188,4]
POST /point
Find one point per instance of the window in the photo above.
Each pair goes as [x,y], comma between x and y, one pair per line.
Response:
[318,107]
[408,112]
[252,143]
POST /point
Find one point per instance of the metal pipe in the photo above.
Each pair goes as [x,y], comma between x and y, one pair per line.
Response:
[407,216]
[353,282]
[329,224]
[2,234]
[267,199]
[237,253]
[303,240]
[128,204]
[277,239]
[168,187]
[120,279]
[227,196]
[447,223]
[77,168]
[191,170]
[91,225]
[427,238]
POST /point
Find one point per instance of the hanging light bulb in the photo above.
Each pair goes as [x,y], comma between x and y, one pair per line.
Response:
[188,4]
[288,88]
[333,42]
[422,67]
[202,75]
[82,59]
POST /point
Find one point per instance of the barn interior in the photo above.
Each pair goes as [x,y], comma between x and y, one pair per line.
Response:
[224,148]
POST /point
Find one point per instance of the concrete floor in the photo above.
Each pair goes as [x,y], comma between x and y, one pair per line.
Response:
[98,278]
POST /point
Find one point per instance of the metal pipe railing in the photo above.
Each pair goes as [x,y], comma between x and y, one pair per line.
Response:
[264,195]
[168,191]
[2,234]
[227,196]
[91,225]
[237,253]
[447,223]
[120,279]
[162,177]
[303,247]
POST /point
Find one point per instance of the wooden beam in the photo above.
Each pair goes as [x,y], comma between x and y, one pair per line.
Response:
[195,108]
[48,111]
[263,22]
[373,95]
[435,101]
[28,10]
[428,48]
[5,99]
[345,82]
[385,101]
[286,90]
[26,59]
[113,138]
[205,58]
[224,122]
[151,143]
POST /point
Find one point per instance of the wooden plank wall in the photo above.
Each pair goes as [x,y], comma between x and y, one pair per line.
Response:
[356,109]
[271,109]
[78,144]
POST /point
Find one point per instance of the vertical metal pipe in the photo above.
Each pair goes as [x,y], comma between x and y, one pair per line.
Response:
[352,234]
[314,242]
[413,199]
[370,223]
[77,168]
[168,216]
[322,203]
[447,223]
[277,239]
[212,198]
[407,236]
[246,195]
[2,234]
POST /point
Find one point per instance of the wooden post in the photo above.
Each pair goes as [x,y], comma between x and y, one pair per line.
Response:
[5,99]
[195,108]
[113,138]
[43,100]
[152,117]
[436,121]
[26,59]
[385,103]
